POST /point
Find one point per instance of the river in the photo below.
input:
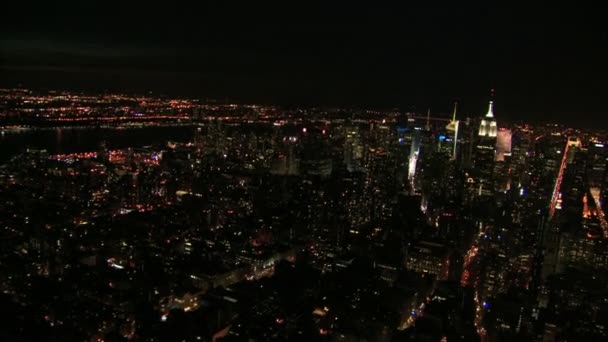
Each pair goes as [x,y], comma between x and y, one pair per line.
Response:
[69,140]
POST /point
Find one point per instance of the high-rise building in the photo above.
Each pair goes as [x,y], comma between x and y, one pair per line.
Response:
[428,257]
[574,145]
[353,149]
[286,163]
[405,151]
[485,153]
[216,136]
[597,163]
[198,138]
[487,127]
[448,142]
[503,144]
[425,152]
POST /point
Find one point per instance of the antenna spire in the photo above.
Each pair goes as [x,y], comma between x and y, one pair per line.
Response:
[490,113]
[428,120]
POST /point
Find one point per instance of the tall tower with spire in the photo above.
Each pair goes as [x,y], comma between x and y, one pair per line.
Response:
[451,126]
[448,139]
[487,127]
[427,127]
[452,133]
[485,151]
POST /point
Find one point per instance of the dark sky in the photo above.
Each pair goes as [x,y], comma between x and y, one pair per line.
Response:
[545,63]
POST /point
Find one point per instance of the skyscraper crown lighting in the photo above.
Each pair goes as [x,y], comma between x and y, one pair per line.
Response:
[487,127]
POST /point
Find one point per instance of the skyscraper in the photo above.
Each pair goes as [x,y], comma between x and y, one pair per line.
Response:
[426,148]
[487,128]
[449,141]
[353,148]
[485,152]
[503,144]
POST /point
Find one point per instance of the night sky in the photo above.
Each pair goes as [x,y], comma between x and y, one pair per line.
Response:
[546,64]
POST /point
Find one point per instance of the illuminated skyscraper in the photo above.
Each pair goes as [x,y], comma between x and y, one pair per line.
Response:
[485,153]
[424,152]
[405,149]
[503,144]
[487,128]
[449,142]
[353,149]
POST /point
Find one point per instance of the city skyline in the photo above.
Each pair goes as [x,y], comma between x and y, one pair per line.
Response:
[284,172]
[202,220]
[545,63]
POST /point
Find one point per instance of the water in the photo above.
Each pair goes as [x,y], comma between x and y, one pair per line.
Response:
[69,140]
